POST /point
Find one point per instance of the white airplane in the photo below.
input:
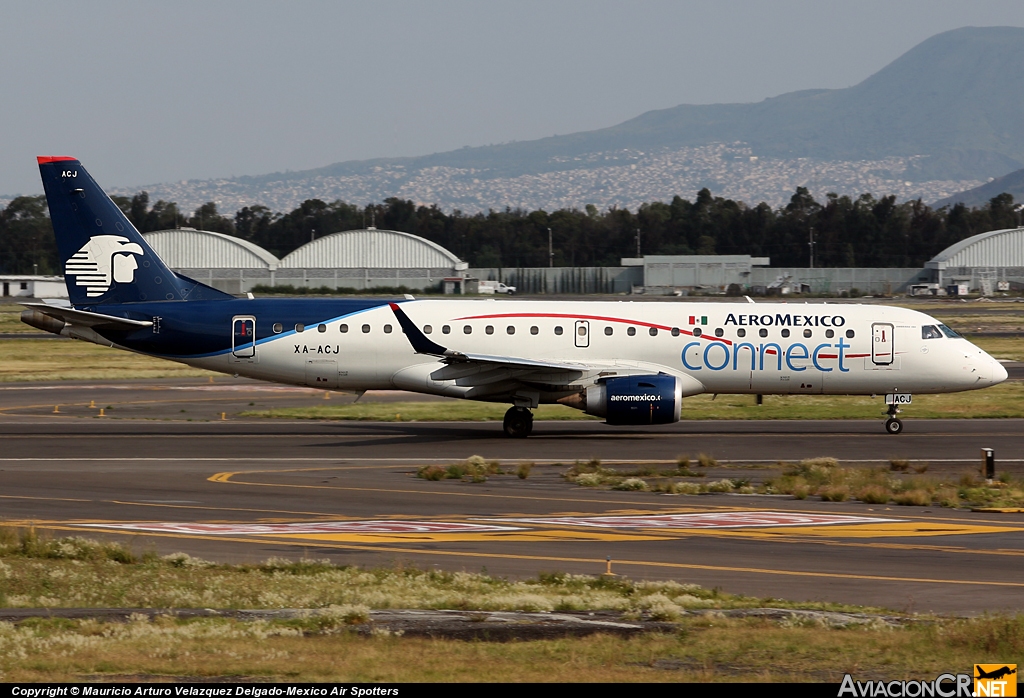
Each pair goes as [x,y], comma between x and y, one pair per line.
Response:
[629,362]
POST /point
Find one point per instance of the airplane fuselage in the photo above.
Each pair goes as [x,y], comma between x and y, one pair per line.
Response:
[769,348]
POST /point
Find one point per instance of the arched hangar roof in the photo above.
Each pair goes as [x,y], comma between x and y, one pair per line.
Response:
[996,248]
[370,248]
[188,248]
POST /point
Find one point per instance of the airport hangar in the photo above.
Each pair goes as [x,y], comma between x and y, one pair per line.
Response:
[371,258]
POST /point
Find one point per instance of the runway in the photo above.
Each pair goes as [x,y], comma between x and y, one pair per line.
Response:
[246,489]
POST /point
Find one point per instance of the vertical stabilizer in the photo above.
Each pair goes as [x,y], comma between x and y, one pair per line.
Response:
[105,258]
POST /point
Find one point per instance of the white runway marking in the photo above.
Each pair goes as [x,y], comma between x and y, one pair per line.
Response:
[240,529]
[725,519]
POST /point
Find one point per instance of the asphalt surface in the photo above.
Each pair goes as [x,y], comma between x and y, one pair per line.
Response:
[244,490]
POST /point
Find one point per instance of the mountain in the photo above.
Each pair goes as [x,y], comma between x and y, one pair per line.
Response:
[1012,183]
[943,117]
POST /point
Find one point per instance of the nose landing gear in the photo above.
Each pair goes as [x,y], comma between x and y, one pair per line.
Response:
[518,422]
[893,425]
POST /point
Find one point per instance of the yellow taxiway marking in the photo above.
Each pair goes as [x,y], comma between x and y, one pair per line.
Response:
[552,558]
[867,530]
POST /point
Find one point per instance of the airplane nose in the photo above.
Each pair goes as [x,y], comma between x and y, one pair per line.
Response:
[998,372]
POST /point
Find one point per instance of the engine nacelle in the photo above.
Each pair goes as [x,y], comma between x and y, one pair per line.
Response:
[654,399]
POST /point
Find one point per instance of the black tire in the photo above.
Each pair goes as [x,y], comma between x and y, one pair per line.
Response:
[893,426]
[518,422]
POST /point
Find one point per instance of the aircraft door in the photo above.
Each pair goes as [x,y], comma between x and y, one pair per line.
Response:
[882,351]
[582,333]
[243,337]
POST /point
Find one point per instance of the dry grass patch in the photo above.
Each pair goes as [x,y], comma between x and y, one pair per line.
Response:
[702,649]
[65,359]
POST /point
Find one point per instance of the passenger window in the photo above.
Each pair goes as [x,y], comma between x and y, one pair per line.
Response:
[675,331]
[829,334]
[427,329]
[299,327]
[581,330]
[741,332]
[930,332]
[558,329]
[387,329]
[785,332]
[321,327]
[343,328]
[697,332]
[534,330]
[510,329]
[807,333]
[467,329]
[278,328]
[653,331]
[446,329]
[631,331]
[489,329]
[719,332]
[850,334]
[366,329]
[763,332]
[608,331]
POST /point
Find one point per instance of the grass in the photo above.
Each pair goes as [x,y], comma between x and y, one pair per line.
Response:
[322,646]
[10,320]
[815,477]
[1001,347]
[824,478]
[41,572]
[56,360]
[701,649]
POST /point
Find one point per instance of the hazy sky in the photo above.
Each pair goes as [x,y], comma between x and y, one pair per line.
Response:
[145,92]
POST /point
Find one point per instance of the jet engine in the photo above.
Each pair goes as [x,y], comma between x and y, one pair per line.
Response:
[654,399]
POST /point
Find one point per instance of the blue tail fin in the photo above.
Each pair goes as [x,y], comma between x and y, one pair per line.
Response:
[105,258]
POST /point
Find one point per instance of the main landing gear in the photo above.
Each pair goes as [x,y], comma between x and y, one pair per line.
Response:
[518,422]
[893,425]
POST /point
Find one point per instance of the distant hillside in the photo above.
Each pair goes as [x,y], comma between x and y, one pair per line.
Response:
[943,117]
[957,97]
[1012,183]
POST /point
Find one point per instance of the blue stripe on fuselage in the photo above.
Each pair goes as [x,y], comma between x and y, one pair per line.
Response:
[199,329]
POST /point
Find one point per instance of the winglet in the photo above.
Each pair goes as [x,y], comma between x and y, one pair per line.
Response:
[418,340]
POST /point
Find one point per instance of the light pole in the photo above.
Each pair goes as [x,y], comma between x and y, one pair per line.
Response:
[551,251]
[810,245]
[638,243]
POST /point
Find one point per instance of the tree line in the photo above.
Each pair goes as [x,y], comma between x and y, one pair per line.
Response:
[862,231]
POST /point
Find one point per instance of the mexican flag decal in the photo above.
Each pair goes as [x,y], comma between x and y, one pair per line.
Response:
[703,320]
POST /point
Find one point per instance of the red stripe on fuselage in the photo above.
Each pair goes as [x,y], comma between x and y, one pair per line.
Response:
[603,318]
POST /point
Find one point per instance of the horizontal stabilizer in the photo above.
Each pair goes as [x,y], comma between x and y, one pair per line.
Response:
[84,318]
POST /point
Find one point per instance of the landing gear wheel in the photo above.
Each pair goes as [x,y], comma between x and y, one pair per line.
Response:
[893,425]
[518,422]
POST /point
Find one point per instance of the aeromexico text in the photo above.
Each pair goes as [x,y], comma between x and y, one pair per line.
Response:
[722,355]
[787,320]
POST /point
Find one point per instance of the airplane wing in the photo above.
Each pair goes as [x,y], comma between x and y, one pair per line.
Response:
[487,373]
[84,318]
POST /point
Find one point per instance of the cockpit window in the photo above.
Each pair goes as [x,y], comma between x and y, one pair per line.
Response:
[951,333]
[930,332]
